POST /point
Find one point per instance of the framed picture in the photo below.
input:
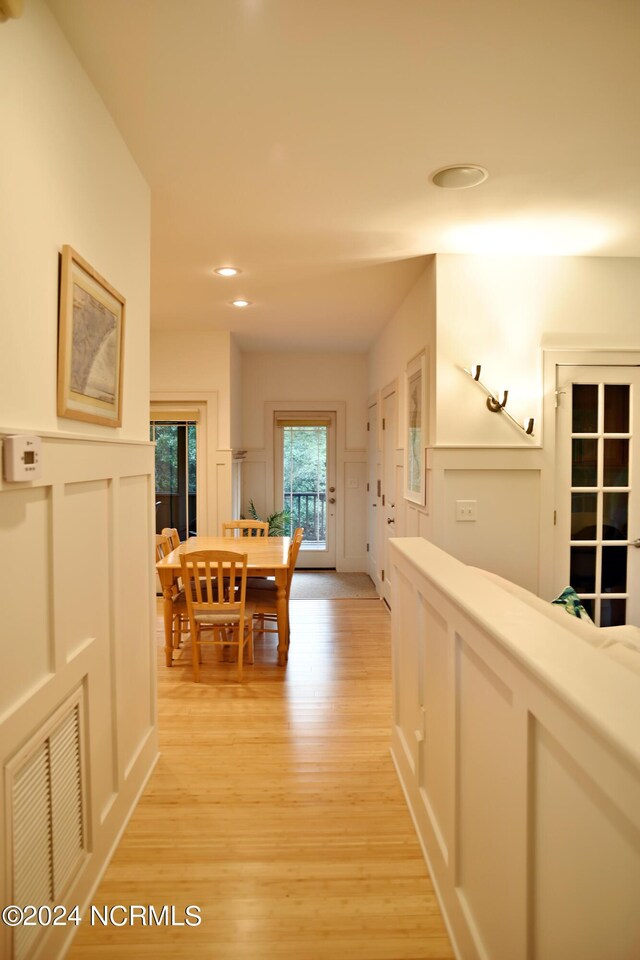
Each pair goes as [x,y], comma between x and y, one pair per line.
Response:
[415,398]
[90,344]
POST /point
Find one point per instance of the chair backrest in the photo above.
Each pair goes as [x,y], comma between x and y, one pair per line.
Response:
[245,528]
[215,582]
[294,550]
[163,547]
[172,536]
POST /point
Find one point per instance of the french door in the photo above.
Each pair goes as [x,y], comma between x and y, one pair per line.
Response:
[598,489]
[305,482]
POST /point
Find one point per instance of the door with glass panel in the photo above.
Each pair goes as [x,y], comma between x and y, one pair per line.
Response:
[305,482]
[598,494]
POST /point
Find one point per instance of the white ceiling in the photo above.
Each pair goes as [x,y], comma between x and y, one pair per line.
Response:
[295,138]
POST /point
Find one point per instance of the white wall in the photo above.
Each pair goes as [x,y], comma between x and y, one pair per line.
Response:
[196,367]
[335,381]
[193,362]
[502,312]
[65,177]
[82,617]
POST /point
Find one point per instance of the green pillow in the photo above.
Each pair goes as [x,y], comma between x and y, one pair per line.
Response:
[572,603]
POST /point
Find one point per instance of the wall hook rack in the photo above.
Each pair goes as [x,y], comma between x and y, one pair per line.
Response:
[498,404]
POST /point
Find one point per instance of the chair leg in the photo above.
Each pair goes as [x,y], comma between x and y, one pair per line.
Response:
[240,629]
[195,654]
[250,642]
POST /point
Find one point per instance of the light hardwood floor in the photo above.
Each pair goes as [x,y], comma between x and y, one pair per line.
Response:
[276,809]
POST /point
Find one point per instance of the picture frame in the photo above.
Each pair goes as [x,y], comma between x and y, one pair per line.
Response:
[414,446]
[90,344]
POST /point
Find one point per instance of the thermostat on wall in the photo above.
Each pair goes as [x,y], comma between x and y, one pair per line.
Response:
[22,457]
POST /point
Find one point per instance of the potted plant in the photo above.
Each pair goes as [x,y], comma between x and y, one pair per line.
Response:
[279,522]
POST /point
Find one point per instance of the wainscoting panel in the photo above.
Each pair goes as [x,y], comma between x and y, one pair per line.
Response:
[569,836]
[25,573]
[516,743]
[81,594]
[134,682]
[76,570]
[485,813]
[437,666]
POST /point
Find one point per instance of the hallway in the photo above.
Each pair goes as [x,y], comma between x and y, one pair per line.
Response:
[275,808]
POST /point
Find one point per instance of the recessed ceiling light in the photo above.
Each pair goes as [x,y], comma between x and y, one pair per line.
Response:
[227,271]
[241,303]
[459,176]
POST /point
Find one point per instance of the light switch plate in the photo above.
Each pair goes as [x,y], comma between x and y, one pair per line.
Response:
[466,510]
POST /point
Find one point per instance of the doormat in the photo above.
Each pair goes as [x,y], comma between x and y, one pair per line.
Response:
[329,585]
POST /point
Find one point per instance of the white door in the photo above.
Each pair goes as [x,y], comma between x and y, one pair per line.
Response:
[598,490]
[305,482]
[373,495]
[388,504]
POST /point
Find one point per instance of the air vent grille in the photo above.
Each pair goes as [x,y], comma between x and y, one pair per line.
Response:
[47,832]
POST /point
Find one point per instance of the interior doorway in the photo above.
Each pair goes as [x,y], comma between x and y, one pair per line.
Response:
[597,493]
[180,467]
[305,482]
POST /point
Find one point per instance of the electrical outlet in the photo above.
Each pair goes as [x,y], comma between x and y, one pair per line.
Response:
[466,510]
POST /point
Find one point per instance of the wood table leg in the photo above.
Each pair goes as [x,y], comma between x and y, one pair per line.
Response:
[283,617]
[167,592]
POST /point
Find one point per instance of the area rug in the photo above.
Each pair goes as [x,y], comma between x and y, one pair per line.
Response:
[329,585]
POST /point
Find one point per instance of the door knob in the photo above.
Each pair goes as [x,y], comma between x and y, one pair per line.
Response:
[332,499]
[332,489]
[636,543]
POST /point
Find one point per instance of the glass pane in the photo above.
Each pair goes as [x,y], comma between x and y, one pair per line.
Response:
[588,605]
[583,569]
[616,408]
[584,466]
[614,569]
[616,463]
[583,516]
[305,481]
[615,516]
[585,408]
[613,613]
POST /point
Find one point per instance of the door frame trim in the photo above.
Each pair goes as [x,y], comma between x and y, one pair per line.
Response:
[346,458]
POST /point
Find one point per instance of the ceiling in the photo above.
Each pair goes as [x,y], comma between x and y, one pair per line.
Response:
[295,139]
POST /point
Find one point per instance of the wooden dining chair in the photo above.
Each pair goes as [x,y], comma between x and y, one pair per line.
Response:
[245,528]
[172,536]
[215,586]
[263,593]
[180,618]
[163,547]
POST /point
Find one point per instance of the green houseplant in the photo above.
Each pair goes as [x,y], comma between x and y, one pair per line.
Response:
[279,522]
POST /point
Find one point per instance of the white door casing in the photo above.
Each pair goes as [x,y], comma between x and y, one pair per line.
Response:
[373,500]
[321,556]
[388,502]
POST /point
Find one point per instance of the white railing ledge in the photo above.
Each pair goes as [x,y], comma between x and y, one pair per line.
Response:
[603,692]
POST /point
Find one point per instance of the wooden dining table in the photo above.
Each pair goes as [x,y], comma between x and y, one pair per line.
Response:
[266,557]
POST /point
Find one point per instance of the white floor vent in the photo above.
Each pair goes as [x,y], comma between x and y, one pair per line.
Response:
[47,834]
